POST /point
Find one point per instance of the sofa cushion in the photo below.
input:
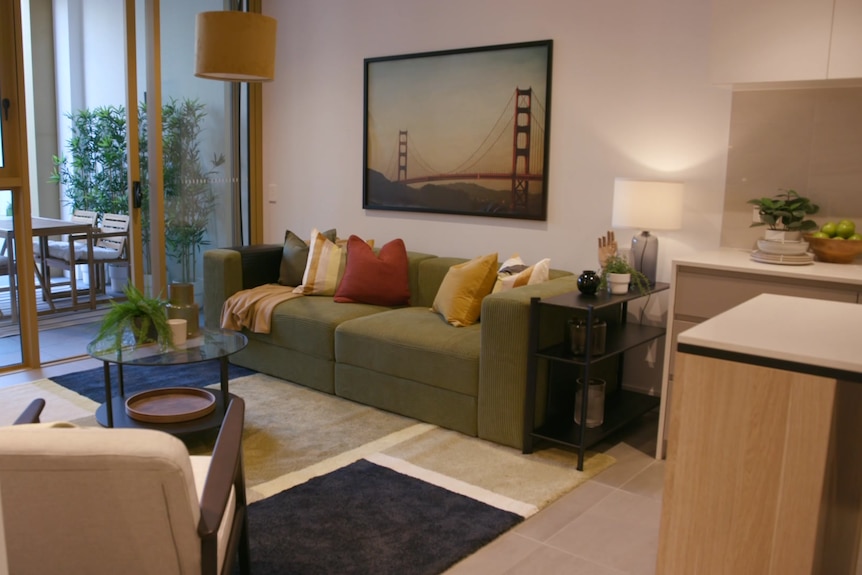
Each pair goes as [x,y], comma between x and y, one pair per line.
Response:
[379,279]
[294,258]
[459,299]
[323,268]
[414,344]
[307,324]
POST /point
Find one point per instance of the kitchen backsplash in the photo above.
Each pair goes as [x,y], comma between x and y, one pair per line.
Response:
[807,139]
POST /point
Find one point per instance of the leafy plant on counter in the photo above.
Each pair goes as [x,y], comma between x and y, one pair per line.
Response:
[786,211]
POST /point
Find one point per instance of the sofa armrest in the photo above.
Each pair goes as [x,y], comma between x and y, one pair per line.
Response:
[229,270]
[503,358]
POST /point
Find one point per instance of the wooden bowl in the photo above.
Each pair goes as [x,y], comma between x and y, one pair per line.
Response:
[834,251]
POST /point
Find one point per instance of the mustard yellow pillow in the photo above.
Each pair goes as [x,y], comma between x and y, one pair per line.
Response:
[459,299]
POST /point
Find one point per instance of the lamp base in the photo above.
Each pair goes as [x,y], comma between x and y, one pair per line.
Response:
[645,254]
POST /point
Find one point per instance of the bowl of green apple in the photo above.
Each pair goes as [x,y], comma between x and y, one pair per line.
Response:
[836,242]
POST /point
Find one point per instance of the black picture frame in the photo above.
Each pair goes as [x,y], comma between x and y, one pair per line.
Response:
[463,131]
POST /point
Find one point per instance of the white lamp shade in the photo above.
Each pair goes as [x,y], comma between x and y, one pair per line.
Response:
[647,205]
[235,46]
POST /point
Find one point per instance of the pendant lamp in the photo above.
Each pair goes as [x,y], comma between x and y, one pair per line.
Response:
[235,46]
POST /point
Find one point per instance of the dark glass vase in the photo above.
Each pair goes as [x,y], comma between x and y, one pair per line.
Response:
[588,282]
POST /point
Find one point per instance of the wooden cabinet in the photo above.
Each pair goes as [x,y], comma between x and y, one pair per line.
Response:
[764,474]
[780,41]
[561,368]
[705,286]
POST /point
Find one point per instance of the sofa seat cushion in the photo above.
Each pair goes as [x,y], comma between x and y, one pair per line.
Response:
[415,344]
[307,324]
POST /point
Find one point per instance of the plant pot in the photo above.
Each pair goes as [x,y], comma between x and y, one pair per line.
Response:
[619,283]
[782,235]
[119,275]
[181,305]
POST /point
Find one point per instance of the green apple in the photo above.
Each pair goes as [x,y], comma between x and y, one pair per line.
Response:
[829,228]
[823,235]
[837,238]
[845,229]
[856,237]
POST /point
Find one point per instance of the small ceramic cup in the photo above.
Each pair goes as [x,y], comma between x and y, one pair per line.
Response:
[178,329]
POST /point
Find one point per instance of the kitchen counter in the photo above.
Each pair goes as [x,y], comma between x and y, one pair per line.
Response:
[733,259]
[706,284]
[764,466]
[804,335]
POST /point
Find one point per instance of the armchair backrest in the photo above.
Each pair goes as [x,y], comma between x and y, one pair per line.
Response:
[91,500]
[114,232]
[84,217]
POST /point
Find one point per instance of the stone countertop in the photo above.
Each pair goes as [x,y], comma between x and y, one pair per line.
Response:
[738,260]
[786,330]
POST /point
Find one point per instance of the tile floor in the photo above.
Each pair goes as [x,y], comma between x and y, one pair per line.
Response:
[608,526]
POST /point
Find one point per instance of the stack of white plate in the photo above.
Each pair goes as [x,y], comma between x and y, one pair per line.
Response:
[782,252]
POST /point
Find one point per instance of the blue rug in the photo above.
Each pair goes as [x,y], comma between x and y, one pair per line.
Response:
[91,382]
[363,519]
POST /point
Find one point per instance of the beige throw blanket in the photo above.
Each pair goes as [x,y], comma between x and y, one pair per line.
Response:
[252,308]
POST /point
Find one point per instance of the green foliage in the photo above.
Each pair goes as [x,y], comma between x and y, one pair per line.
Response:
[618,265]
[94,177]
[786,211]
[189,200]
[138,314]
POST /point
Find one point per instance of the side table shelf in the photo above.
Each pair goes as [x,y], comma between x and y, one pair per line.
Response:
[621,406]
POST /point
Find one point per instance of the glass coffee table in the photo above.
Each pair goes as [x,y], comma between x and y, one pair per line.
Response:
[206,407]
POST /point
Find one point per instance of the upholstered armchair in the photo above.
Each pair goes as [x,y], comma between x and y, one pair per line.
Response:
[107,501]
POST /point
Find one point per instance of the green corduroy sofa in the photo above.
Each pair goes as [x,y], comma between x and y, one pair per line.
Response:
[407,360]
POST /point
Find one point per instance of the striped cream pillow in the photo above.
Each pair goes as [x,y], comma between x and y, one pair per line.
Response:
[324,266]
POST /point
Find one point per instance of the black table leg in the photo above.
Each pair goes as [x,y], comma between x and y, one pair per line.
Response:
[109,401]
[224,380]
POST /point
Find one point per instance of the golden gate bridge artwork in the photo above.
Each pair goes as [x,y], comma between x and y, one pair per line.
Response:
[495,167]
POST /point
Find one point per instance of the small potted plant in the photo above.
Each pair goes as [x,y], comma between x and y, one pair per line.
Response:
[145,318]
[618,273]
[786,214]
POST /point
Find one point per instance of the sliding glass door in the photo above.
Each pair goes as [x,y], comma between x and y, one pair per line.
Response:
[117,123]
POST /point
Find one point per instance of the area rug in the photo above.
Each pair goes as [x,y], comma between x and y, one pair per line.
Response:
[339,487]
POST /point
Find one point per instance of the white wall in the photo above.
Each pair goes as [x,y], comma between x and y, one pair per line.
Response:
[630,98]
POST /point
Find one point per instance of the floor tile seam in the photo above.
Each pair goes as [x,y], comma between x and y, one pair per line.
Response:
[623,485]
[583,512]
[590,560]
[567,552]
[629,523]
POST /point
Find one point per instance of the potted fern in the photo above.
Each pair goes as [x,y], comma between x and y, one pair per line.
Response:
[618,274]
[145,318]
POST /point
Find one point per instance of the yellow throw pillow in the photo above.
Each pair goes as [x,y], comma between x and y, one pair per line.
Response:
[459,299]
[323,268]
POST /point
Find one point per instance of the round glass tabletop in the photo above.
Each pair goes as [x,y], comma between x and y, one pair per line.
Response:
[208,344]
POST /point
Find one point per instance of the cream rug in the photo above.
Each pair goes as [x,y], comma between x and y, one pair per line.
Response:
[293,434]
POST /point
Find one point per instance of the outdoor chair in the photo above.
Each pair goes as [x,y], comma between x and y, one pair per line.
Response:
[110,245]
[132,501]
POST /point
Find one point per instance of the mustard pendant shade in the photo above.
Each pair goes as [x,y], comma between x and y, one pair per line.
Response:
[235,46]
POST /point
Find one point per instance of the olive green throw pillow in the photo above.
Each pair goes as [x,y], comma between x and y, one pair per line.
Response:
[294,257]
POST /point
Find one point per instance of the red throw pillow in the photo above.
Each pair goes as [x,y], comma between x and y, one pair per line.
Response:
[379,279]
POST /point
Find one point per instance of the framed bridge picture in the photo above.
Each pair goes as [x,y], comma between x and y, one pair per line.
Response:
[459,131]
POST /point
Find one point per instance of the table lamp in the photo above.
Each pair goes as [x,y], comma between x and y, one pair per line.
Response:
[647,206]
[235,46]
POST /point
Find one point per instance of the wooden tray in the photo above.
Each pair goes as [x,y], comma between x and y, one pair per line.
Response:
[170,404]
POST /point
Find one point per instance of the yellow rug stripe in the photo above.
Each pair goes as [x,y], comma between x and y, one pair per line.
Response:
[456,486]
[295,478]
